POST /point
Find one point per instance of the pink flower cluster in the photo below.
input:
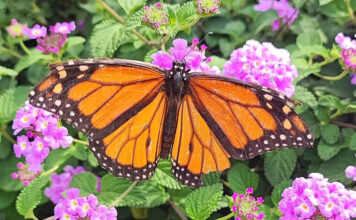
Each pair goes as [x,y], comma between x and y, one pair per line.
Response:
[155,15]
[245,205]
[348,53]
[207,6]
[350,172]
[16,29]
[78,207]
[194,57]
[23,174]
[42,134]
[263,64]
[316,198]
[282,7]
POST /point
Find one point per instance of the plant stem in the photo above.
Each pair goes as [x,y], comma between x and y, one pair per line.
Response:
[13,53]
[178,211]
[50,171]
[121,20]
[337,113]
[23,46]
[80,142]
[4,133]
[333,78]
[114,203]
[226,217]
[351,11]
[343,124]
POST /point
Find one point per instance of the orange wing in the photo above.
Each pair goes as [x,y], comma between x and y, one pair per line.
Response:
[247,119]
[118,104]
[196,150]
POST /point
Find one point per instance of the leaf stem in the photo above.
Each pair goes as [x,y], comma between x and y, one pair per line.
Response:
[80,142]
[333,78]
[226,217]
[116,202]
[4,133]
[23,46]
[178,211]
[351,11]
[343,124]
[121,20]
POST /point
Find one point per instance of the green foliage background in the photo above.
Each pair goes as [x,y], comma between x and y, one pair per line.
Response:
[328,98]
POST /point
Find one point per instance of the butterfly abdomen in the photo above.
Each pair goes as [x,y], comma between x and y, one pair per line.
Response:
[169,130]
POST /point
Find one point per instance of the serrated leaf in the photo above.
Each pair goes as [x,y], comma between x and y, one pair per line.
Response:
[148,56]
[240,177]
[80,152]
[130,6]
[279,165]
[277,191]
[186,14]
[179,196]
[352,144]
[31,196]
[307,39]
[28,60]
[7,72]
[203,201]
[164,176]
[145,194]
[329,101]
[210,178]
[8,166]
[106,38]
[10,101]
[57,157]
[305,96]
[86,182]
[330,133]
[73,41]
[134,20]
[263,20]
[268,212]
[326,151]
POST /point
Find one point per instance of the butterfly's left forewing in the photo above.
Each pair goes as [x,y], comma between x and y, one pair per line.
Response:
[118,104]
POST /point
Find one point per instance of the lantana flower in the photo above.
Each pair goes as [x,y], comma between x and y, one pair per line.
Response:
[316,198]
[155,15]
[193,56]
[16,29]
[263,64]
[36,31]
[245,205]
[24,174]
[348,53]
[282,7]
[207,6]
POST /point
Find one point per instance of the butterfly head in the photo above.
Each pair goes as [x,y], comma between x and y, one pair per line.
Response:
[180,68]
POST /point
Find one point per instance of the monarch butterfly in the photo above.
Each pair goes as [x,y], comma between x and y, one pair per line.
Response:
[134,113]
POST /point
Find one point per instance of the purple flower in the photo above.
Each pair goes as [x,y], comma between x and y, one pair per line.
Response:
[64,27]
[21,148]
[263,64]
[316,198]
[155,15]
[245,205]
[348,53]
[61,182]
[77,207]
[16,29]
[57,137]
[36,32]
[24,174]
[40,148]
[284,10]
[51,43]
[195,59]
[350,172]
[207,6]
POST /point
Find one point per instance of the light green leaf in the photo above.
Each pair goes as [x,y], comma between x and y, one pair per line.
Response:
[268,212]
[31,196]
[92,159]
[86,182]
[305,96]
[264,20]
[240,177]
[164,176]
[210,178]
[80,152]
[203,201]
[329,101]
[7,72]
[10,101]
[28,60]
[130,6]
[277,191]
[330,133]
[217,61]
[73,41]
[106,38]
[186,14]
[148,56]
[279,165]
[308,39]
[134,20]
[324,2]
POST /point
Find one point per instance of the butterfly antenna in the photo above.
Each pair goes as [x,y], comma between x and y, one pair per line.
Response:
[209,33]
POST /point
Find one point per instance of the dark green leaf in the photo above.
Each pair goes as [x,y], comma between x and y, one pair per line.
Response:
[5,148]
[85,182]
[164,176]
[264,20]
[352,144]
[305,96]
[329,101]
[10,101]
[240,177]
[80,152]
[210,178]
[277,191]
[279,165]
[326,151]
[8,166]
[330,133]
[6,198]
[28,60]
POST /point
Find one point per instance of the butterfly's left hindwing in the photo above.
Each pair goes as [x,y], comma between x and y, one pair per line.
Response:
[105,100]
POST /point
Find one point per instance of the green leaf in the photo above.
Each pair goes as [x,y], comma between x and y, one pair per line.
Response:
[130,6]
[8,166]
[352,144]
[329,101]
[326,151]
[6,198]
[164,176]
[263,20]
[240,177]
[28,60]
[203,201]
[134,20]
[186,14]
[324,2]
[31,196]
[305,96]
[268,212]
[57,157]
[330,133]
[145,194]
[304,70]
[80,152]
[308,39]
[217,61]
[73,41]
[277,191]
[148,56]
[210,178]
[279,165]
[7,72]
[86,182]
[92,159]
[5,148]
[106,38]
[10,101]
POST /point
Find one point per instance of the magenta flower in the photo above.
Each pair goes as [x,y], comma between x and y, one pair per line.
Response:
[52,43]
[263,64]
[282,7]
[24,174]
[76,207]
[194,58]
[316,198]
[348,53]
[350,172]
[155,15]
[36,32]
[207,6]
[64,27]
[21,148]
[245,205]
[16,29]
[57,137]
